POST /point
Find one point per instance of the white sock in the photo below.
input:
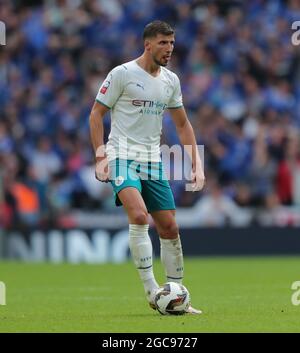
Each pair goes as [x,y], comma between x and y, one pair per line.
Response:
[172,259]
[141,251]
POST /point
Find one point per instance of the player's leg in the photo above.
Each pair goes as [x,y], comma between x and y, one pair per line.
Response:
[170,244]
[139,241]
[170,247]
[159,200]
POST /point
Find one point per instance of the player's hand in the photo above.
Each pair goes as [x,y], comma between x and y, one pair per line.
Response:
[198,179]
[102,169]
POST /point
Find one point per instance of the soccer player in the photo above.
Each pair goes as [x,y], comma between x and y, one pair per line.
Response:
[137,93]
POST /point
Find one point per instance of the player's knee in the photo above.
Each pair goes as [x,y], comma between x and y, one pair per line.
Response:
[170,231]
[139,217]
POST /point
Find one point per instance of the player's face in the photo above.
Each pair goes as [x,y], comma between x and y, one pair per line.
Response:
[161,48]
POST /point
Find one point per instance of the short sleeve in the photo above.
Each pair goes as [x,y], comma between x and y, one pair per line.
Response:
[111,88]
[176,98]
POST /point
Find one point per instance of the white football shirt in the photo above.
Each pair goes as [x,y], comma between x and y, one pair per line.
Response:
[137,101]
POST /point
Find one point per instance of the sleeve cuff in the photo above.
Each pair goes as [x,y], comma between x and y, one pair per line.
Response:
[99,101]
[179,106]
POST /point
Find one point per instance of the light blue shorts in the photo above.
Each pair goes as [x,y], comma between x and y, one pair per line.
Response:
[147,177]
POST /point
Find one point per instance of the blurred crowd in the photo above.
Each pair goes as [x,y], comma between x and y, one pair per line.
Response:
[240,77]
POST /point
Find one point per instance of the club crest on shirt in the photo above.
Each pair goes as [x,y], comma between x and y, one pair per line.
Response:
[168,91]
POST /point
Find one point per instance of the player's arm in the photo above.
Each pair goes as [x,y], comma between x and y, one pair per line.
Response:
[97,132]
[187,138]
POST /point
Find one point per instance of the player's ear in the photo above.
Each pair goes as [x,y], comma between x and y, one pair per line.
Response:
[147,44]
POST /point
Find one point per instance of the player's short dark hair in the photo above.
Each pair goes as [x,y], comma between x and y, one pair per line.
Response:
[156,27]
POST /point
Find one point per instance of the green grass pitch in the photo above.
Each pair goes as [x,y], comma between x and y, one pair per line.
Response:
[236,295]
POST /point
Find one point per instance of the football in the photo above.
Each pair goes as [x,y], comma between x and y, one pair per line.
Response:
[172,299]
